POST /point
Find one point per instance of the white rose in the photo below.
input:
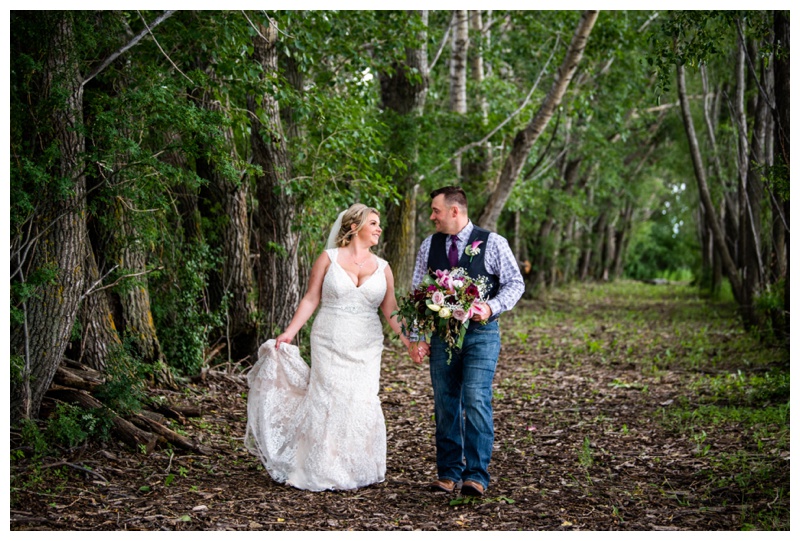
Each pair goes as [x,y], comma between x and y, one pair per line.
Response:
[444,312]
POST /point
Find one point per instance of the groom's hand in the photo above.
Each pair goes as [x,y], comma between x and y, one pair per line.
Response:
[484,313]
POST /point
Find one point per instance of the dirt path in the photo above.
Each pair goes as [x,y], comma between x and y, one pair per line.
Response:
[587,438]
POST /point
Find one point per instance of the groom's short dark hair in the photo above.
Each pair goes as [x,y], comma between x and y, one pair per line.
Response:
[453,195]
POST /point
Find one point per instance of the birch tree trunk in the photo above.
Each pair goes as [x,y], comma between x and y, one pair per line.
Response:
[743,149]
[458,62]
[705,195]
[475,166]
[459,46]
[524,140]
[278,268]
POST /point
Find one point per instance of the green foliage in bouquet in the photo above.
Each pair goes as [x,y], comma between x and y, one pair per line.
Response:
[443,305]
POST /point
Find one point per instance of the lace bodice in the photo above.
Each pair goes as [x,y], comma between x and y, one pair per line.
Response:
[339,292]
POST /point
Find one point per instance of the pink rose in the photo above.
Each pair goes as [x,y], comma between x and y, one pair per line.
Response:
[438,298]
[460,314]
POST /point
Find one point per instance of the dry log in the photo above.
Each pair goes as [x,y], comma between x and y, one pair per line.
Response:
[76,379]
[74,383]
[127,431]
[172,436]
[153,416]
[179,413]
[84,371]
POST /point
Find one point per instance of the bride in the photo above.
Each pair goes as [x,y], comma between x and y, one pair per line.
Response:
[323,428]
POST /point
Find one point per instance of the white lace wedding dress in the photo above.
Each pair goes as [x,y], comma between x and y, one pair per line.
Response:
[323,428]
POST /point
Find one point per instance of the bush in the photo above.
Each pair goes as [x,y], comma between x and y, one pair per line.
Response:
[180,307]
[126,376]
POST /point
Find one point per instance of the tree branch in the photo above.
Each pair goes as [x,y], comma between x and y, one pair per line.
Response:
[444,42]
[162,50]
[504,122]
[161,18]
[95,289]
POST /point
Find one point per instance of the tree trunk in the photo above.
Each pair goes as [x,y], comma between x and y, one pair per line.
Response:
[705,195]
[477,163]
[403,93]
[237,283]
[754,273]
[622,238]
[593,264]
[544,243]
[781,146]
[458,62]
[459,45]
[609,249]
[136,314]
[278,267]
[571,170]
[98,331]
[49,315]
[743,156]
[553,272]
[525,138]
[570,242]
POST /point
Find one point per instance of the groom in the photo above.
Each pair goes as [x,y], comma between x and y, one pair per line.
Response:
[462,389]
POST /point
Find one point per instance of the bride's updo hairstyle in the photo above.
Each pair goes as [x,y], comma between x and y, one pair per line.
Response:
[356,214]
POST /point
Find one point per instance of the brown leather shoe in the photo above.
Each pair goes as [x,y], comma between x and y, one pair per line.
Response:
[472,488]
[443,485]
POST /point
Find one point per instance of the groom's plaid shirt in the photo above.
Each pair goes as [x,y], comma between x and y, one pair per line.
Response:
[499,260]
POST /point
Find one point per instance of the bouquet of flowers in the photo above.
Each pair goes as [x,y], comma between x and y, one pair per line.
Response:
[443,305]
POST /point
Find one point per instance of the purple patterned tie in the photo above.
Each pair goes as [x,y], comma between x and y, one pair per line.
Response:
[452,254]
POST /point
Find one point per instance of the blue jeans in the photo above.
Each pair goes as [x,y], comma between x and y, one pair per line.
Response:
[462,396]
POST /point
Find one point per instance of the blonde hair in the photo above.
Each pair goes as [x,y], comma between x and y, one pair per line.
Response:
[356,214]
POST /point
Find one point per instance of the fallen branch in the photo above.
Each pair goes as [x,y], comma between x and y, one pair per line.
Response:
[172,436]
[127,431]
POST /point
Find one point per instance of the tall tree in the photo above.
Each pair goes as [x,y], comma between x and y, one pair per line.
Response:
[525,138]
[278,275]
[60,226]
[55,250]
[229,189]
[459,48]
[781,148]
[474,167]
[403,91]
[702,185]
